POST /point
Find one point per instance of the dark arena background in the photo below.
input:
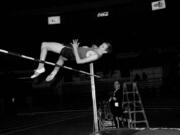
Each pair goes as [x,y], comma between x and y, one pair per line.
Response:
[145,40]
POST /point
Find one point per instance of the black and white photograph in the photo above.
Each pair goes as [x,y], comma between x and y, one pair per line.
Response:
[90,67]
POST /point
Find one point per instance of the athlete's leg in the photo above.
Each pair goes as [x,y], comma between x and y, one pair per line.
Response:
[45,47]
[60,62]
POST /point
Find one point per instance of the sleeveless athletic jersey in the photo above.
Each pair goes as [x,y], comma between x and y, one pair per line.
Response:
[83,52]
[69,54]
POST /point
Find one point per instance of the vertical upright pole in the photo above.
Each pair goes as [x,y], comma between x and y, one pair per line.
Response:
[94,97]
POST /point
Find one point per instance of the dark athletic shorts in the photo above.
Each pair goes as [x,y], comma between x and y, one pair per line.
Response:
[67,53]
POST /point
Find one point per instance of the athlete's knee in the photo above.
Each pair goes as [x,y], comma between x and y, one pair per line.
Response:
[44,45]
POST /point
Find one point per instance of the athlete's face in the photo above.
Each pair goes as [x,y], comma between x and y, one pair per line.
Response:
[103,47]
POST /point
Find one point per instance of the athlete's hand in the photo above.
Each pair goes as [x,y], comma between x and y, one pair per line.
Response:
[75,43]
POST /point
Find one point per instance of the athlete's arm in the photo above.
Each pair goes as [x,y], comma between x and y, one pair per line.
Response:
[91,56]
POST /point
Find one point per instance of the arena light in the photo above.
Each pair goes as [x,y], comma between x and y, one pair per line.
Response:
[54,20]
[103,14]
[157,5]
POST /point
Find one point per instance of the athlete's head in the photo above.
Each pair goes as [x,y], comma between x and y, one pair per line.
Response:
[105,48]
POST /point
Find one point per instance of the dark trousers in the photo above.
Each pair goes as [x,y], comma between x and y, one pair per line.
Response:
[117,121]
